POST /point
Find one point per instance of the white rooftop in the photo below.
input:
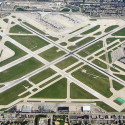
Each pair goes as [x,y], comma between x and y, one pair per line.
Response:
[86,108]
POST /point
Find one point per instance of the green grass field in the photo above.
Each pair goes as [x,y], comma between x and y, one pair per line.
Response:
[46,83]
[34,28]
[19,29]
[84,41]
[113,69]
[19,70]
[119,67]
[56,90]
[18,53]
[51,54]
[42,75]
[91,79]
[11,94]
[93,19]
[103,57]
[13,16]
[73,39]
[111,46]
[71,48]
[75,10]
[67,62]
[98,33]
[53,38]
[110,40]
[109,57]
[120,76]
[95,47]
[19,9]
[117,102]
[91,30]
[77,92]
[65,10]
[105,107]
[12,22]
[80,28]
[90,58]
[100,63]
[111,28]
[63,43]
[76,30]
[6,20]
[74,67]
[82,54]
[117,86]
[97,54]
[31,42]
[1,86]
[19,19]
[119,33]
[0,37]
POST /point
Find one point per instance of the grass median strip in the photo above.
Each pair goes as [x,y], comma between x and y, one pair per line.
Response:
[97,54]
[34,28]
[6,20]
[91,30]
[67,62]
[103,57]
[111,28]
[79,64]
[100,63]
[120,76]
[63,43]
[82,54]
[93,79]
[19,70]
[98,33]
[119,33]
[31,42]
[84,41]
[80,28]
[77,92]
[95,47]
[11,94]
[112,45]
[71,48]
[105,107]
[113,69]
[42,75]
[116,101]
[18,53]
[46,83]
[109,56]
[117,86]
[56,90]
[118,67]
[52,54]
[90,58]
[74,39]
[53,38]
[112,39]
[19,29]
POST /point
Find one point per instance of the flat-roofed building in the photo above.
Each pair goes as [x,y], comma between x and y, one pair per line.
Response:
[63,109]
[24,107]
[86,108]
